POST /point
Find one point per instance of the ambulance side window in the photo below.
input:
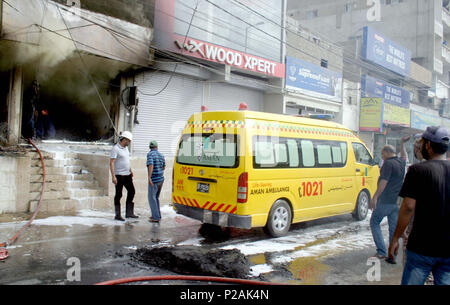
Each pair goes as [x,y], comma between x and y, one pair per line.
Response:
[361,154]
[308,156]
[294,158]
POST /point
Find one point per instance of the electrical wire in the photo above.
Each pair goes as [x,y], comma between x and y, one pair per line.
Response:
[176,65]
[196,63]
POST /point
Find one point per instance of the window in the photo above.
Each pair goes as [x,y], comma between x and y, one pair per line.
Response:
[264,155]
[212,150]
[272,152]
[294,160]
[312,14]
[361,154]
[330,153]
[324,63]
[324,154]
[308,158]
[348,7]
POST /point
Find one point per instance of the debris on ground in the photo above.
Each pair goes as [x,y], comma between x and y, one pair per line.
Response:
[194,260]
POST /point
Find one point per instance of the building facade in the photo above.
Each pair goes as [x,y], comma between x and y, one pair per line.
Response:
[396,50]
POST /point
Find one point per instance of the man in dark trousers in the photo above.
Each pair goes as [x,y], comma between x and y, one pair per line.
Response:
[122,175]
[384,201]
[426,196]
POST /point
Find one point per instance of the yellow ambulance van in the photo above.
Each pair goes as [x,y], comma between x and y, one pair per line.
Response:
[249,169]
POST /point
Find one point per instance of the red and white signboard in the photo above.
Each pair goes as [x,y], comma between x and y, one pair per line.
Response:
[208,51]
[168,40]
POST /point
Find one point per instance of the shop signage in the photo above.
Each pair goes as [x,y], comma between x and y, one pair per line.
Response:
[313,80]
[394,115]
[421,121]
[371,114]
[229,57]
[372,87]
[385,52]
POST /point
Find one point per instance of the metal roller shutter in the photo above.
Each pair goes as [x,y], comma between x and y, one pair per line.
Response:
[162,117]
[228,97]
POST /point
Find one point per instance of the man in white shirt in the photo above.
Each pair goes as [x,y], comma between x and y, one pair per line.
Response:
[122,175]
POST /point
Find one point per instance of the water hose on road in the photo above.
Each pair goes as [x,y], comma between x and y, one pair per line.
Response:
[3,251]
[184,278]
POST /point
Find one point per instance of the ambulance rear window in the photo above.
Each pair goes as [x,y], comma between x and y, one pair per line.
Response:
[210,150]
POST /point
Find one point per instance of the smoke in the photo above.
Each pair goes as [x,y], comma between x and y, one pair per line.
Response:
[35,36]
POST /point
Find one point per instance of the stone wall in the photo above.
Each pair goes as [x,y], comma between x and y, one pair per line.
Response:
[14,183]
[99,167]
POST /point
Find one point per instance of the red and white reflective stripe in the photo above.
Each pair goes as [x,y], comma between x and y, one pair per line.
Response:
[212,206]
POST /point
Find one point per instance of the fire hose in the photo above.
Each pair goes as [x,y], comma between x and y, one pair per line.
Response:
[3,251]
[185,278]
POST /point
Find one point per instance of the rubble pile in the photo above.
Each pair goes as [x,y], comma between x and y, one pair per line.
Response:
[193,260]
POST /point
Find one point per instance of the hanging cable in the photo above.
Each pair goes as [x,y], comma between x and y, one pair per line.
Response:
[87,71]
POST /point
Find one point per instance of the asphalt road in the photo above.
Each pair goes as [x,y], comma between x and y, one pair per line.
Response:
[331,251]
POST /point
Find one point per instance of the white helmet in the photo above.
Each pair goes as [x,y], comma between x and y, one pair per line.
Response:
[127,135]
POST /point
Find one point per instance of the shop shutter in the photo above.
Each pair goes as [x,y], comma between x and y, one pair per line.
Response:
[163,117]
[228,97]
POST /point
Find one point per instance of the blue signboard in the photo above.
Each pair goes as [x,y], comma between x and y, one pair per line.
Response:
[421,120]
[386,53]
[372,87]
[313,80]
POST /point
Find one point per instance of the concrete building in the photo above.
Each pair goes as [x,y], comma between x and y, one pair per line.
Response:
[418,27]
[81,56]
[313,73]
[207,56]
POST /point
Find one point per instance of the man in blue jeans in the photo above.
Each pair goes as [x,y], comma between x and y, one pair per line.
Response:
[155,166]
[426,196]
[384,201]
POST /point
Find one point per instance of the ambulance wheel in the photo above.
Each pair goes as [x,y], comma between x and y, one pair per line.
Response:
[280,218]
[362,206]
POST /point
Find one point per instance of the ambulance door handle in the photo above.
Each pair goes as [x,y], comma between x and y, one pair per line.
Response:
[358,170]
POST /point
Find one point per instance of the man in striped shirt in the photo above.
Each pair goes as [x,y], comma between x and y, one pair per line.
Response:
[155,166]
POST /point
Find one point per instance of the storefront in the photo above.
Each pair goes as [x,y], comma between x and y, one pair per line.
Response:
[216,60]
[161,117]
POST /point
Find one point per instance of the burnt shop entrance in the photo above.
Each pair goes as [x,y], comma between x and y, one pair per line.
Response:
[68,95]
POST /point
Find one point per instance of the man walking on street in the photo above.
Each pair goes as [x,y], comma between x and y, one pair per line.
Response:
[122,175]
[155,166]
[426,196]
[384,201]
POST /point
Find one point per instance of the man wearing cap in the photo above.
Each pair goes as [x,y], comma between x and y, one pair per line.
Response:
[426,196]
[155,167]
[122,175]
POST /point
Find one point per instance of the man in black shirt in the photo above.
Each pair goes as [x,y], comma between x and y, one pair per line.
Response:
[426,196]
[384,201]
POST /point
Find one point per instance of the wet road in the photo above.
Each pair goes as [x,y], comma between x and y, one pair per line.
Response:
[332,251]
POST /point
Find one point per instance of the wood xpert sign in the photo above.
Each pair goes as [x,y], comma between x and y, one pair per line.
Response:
[229,57]
[220,36]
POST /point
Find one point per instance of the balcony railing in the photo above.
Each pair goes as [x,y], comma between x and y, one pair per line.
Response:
[446,53]
[445,16]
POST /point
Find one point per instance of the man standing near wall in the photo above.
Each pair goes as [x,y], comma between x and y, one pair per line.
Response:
[155,166]
[122,175]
